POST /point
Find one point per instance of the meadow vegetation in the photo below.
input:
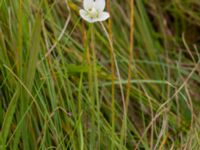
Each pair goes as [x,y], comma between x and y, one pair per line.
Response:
[131,82]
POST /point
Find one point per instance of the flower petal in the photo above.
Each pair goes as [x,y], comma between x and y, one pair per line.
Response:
[84,15]
[103,16]
[88,4]
[100,5]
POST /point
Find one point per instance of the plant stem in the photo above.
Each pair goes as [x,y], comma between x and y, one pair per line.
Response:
[128,86]
[117,69]
[96,85]
[113,76]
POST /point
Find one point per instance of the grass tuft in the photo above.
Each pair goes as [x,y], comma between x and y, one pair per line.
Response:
[131,82]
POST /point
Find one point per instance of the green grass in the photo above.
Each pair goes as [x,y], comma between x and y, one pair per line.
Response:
[68,84]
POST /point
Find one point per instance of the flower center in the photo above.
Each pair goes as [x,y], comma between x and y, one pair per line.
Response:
[93,13]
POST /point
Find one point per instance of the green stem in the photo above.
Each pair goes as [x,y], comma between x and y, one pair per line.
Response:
[96,85]
[91,87]
[123,131]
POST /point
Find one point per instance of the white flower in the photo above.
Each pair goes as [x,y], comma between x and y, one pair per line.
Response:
[94,11]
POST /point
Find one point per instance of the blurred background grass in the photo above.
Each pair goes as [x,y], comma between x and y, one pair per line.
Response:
[67,84]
